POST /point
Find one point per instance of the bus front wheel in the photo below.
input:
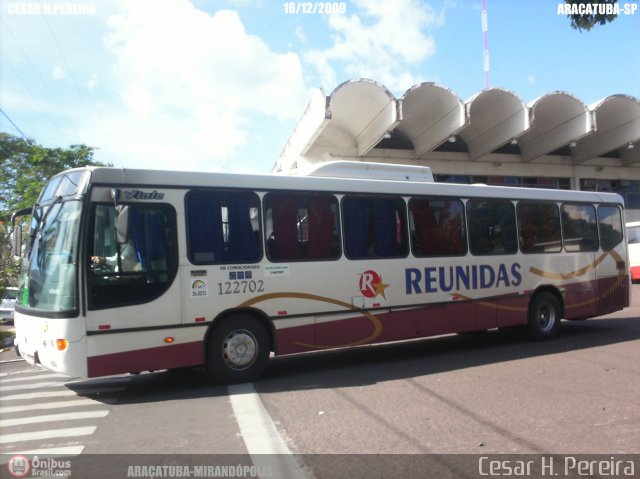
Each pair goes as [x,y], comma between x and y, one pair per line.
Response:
[238,350]
[544,316]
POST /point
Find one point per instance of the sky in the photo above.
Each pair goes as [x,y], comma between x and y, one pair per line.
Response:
[219,85]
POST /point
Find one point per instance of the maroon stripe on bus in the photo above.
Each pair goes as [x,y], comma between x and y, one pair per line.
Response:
[151,359]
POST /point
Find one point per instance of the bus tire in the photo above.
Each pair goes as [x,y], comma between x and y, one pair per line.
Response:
[544,316]
[238,350]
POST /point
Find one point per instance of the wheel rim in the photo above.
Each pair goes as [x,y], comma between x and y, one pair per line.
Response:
[240,349]
[546,317]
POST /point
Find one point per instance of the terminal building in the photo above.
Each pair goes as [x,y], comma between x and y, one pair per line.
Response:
[494,137]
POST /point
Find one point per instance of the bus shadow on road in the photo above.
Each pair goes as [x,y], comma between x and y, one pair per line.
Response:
[365,365]
[158,386]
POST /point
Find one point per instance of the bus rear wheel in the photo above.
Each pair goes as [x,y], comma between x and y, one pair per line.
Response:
[544,316]
[238,350]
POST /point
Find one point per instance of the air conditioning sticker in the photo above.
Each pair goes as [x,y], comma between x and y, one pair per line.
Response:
[199,288]
[277,270]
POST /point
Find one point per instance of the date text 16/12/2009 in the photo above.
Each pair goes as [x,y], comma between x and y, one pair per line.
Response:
[318,8]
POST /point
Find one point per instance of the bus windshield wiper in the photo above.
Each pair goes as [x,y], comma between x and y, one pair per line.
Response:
[43,222]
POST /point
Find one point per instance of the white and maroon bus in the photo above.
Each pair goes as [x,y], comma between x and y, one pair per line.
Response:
[130,270]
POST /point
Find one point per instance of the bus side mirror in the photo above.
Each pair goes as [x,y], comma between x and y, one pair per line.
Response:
[17,241]
[122,224]
[16,232]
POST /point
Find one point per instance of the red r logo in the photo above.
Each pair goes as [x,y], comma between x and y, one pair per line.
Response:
[371,284]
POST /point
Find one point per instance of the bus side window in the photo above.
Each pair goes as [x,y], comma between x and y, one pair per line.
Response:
[539,225]
[301,226]
[143,267]
[223,227]
[579,228]
[283,243]
[323,242]
[437,227]
[374,227]
[492,227]
[609,226]
[146,245]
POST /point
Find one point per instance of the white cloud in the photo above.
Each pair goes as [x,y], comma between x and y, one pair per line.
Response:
[162,142]
[300,35]
[92,82]
[531,79]
[386,43]
[190,80]
[58,73]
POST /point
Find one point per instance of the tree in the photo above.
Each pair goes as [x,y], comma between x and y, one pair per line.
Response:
[585,16]
[26,167]
[8,265]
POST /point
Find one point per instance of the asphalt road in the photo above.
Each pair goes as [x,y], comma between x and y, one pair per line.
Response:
[488,394]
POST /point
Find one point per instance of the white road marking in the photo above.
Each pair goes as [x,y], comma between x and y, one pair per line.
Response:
[50,405]
[49,434]
[261,437]
[44,453]
[71,416]
[38,395]
[32,378]
[43,388]
[21,372]
[47,384]
[6,361]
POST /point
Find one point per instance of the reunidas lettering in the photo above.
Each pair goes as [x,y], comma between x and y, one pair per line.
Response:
[460,278]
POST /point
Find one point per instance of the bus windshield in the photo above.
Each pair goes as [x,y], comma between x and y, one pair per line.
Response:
[49,267]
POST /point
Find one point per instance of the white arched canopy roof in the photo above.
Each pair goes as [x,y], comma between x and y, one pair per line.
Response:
[617,120]
[430,115]
[557,119]
[496,116]
[360,113]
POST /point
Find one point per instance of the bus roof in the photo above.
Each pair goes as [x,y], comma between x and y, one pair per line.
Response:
[110,176]
[371,171]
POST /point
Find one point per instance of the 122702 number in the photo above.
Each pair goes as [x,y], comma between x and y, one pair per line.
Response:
[238,287]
